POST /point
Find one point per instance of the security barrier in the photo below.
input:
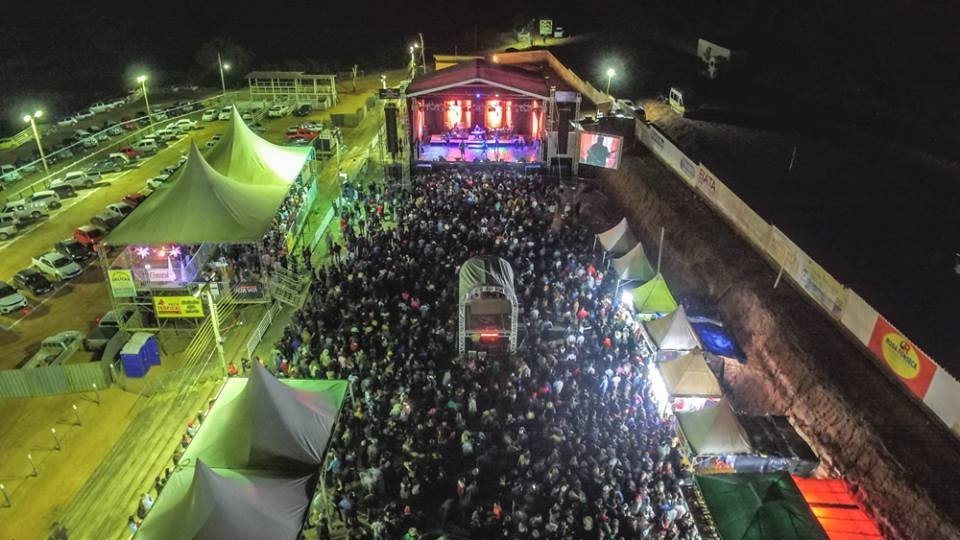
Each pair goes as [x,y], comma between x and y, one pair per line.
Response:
[919,374]
[46,381]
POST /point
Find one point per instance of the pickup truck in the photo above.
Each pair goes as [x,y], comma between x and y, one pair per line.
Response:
[78,179]
[57,265]
[107,326]
[115,162]
[24,210]
[55,350]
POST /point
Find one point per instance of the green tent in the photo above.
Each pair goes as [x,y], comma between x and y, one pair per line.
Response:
[758,507]
[198,205]
[653,297]
[244,156]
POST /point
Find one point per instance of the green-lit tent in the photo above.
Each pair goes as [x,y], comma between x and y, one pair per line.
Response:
[198,205]
[758,507]
[244,156]
[653,297]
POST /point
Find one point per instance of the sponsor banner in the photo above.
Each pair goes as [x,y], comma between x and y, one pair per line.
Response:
[389,93]
[904,359]
[748,222]
[248,290]
[943,398]
[785,253]
[671,155]
[707,182]
[121,283]
[821,286]
[169,307]
[858,317]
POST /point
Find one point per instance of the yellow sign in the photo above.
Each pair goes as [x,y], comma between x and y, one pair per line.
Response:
[900,355]
[121,283]
[168,307]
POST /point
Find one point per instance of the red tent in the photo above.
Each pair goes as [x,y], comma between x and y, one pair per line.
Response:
[837,510]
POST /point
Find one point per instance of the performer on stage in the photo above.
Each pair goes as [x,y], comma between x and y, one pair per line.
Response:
[463,149]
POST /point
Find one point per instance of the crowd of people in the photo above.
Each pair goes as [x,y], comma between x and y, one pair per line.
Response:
[559,440]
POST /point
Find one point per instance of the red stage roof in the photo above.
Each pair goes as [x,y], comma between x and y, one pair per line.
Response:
[480,71]
[837,509]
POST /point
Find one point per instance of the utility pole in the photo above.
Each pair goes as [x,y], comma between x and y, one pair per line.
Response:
[354,70]
[423,57]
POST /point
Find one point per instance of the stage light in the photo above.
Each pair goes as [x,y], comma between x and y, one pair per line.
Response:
[175,251]
[142,251]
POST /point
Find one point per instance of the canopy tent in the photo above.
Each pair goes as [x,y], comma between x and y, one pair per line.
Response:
[247,158]
[200,502]
[269,424]
[653,297]
[486,271]
[618,239]
[201,205]
[634,265]
[837,510]
[714,431]
[672,332]
[758,507]
[689,376]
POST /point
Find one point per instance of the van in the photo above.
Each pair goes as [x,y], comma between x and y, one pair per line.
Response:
[147,146]
[9,225]
[9,173]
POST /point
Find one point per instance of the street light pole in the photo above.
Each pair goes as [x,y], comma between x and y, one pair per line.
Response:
[413,61]
[223,82]
[610,74]
[423,49]
[215,322]
[32,119]
[142,79]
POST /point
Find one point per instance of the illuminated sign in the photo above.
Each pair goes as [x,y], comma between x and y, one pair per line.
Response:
[121,283]
[171,307]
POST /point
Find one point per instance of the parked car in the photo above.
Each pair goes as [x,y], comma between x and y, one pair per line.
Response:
[106,220]
[214,140]
[166,135]
[57,265]
[10,299]
[89,142]
[67,121]
[160,116]
[78,179]
[279,110]
[300,133]
[157,181]
[303,110]
[64,191]
[183,125]
[130,152]
[9,226]
[55,350]
[72,248]
[146,146]
[134,199]
[119,209]
[107,325]
[88,235]
[209,115]
[83,115]
[46,197]
[114,129]
[9,173]
[32,280]
[23,210]
[225,113]
[100,107]
[81,133]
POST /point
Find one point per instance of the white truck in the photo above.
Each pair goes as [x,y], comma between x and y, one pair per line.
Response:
[25,210]
[55,350]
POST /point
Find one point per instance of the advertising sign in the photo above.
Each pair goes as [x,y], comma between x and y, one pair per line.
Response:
[389,93]
[600,150]
[121,283]
[171,307]
[248,290]
[908,363]
[546,27]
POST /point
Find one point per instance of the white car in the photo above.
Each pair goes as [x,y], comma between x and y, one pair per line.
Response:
[209,115]
[183,125]
[279,110]
[90,142]
[10,299]
[67,121]
[157,181]
[81,115]
[214,140]
[225,113]
[57,265]
[120,209]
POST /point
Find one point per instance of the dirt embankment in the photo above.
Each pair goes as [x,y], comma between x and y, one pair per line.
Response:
[859,421]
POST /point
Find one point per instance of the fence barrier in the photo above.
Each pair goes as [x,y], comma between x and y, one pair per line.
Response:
[919,373]
[46,381]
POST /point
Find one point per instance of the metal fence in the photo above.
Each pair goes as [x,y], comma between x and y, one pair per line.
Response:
[46,381]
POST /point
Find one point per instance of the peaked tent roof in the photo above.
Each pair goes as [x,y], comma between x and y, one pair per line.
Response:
[714,431]
[654,297]
[634,265]
[618,239]
[477,70]
[758,507]
[689,376]
[198,502]
[271,424]
[247,158]
[198,204]
[673,332]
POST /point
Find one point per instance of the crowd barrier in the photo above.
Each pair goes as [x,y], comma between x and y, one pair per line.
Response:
[919,373]
[50,380]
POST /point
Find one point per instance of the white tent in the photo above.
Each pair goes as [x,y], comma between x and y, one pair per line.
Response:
[248,158]
[689,376]
[634,265]
[673,332]
[618,239]
[714,431]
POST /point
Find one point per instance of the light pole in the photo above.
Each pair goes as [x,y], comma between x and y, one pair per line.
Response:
[383,81]
[413,60]
[215,323]
[423,49]
[610,74]
[32,120]
[223,67]
[142,79]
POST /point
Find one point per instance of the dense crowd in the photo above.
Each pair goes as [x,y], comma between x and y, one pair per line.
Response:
[559,440]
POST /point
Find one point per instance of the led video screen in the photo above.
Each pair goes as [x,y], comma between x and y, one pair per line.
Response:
[600,150]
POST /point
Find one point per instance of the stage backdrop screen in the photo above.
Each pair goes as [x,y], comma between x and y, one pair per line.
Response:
[600,150]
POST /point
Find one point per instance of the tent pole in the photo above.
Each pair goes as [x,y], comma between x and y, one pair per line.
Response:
[660,249]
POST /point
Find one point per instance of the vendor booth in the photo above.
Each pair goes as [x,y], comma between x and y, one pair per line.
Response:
[684,384]
[671,334]
[652,299]
[713,437]
[618,239]
[634,265]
